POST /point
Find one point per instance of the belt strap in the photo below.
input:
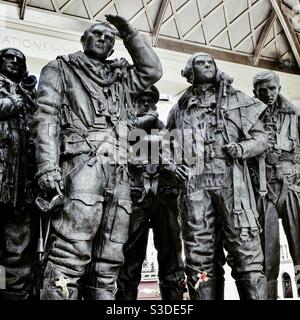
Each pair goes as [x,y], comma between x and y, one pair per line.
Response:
[282,196]
[237,181]
[262,176]
[243,202]
[239,212]
[281,136]
[293,127]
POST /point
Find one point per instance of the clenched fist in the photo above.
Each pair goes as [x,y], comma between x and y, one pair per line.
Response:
[49,180]
[234,150]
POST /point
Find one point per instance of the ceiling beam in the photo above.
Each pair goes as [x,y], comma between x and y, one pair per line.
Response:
[263,37]
[176,19]
[228,26]
[187,48]
[66,6]
[23,4]
[148,16]
[288,30]
[88,9]
[103,10]
[287,11]
[251,23]
[235,20]
[159,20]
[202,19]
[192,30]
[55,5]
[246,38]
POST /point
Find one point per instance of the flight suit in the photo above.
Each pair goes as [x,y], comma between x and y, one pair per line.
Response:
[218,193]
[18,218]
[81,131]
[281,163]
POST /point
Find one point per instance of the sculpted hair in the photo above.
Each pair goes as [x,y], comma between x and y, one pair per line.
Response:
[98,23]
[265,76]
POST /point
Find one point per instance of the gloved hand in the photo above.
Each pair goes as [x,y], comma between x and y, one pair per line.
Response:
[47,181]
[17,100]
[122,25]
[180,172]
[234,150]
[12,104]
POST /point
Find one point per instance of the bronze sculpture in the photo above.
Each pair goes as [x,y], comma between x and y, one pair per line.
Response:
[84,102]
[276,176]
[17,219]
[154,194]
[219,129]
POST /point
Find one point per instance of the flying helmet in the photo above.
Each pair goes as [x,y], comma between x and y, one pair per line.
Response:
[188,71]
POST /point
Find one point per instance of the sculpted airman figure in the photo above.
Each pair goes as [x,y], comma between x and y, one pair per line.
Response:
[84,102]
[277,176]
[219,129]
[154,194]
[17,218]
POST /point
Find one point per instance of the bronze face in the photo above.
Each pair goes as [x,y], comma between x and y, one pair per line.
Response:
[267,91]
[204,69]
[144,103]
[98,42]
[12,63]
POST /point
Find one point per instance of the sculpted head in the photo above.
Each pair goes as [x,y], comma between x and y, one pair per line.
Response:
[146,100]
[200,68]
[13,64]
[267,87]
[98,41]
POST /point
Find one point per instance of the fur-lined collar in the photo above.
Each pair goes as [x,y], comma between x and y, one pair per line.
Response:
[285,106]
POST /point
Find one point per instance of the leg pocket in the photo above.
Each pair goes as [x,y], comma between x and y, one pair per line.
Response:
[194,203]
[82,215]
[120,228]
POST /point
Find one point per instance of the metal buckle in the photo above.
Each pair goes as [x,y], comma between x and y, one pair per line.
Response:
[238,211]
[272,158]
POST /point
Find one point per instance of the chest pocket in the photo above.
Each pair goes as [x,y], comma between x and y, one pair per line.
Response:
[287,137]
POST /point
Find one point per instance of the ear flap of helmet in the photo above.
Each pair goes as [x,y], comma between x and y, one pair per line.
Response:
[184,72]
[188,73]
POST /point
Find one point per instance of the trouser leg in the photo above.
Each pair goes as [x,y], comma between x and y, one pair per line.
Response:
[244,257]
[291,225]
[134,253]
[17,254]
[220,262]
[167,241]
[270,241]
[108,255]
[74,228]
[107,258]
[198,222]
[252,286]
[65,266]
